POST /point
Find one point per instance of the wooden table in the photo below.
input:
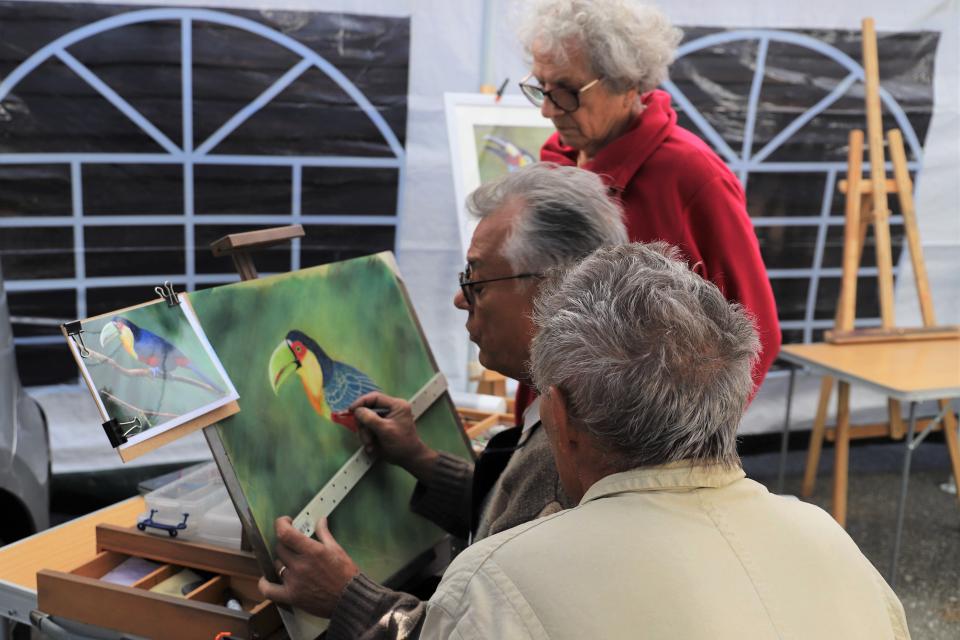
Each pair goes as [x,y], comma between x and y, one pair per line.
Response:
[62,548]
[909,371]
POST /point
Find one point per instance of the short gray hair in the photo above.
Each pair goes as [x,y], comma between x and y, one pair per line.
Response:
[628,44]
[567,214]
[655,363]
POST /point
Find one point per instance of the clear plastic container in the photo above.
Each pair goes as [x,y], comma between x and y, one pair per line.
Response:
[195,507]
[221,525]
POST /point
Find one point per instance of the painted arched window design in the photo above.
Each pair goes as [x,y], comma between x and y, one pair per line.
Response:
[777,106]
[182,125]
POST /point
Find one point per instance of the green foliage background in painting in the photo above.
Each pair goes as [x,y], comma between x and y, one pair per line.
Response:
[530,139]
[280,449]
[153,394]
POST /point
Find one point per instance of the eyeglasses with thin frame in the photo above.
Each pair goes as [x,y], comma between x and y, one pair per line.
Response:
[567,100]
[467,285]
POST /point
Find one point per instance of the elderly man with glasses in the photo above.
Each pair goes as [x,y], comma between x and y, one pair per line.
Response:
[596,68]
[644,370]
[540,217]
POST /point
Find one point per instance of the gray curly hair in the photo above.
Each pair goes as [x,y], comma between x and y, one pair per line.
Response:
[654,361]
[628,44]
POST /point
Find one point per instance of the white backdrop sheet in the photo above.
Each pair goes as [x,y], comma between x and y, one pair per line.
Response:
[447,46]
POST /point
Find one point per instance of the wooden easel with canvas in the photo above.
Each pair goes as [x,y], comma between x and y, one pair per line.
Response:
[319,337]
[866,205]
[291,450]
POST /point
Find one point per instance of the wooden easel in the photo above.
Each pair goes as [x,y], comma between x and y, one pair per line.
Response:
[491,383]
[866,204]
[239,245]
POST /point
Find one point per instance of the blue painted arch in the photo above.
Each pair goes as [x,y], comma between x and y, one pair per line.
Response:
[186,16]
[764,36]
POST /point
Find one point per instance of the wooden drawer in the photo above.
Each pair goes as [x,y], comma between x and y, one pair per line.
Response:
[81,595]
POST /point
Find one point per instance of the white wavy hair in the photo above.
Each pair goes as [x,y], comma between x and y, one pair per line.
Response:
[628,44]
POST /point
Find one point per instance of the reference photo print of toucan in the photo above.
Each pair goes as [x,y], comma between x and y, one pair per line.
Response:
[331,386]
[162,357]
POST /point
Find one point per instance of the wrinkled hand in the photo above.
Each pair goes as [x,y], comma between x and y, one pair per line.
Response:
[317,571]
[394,437]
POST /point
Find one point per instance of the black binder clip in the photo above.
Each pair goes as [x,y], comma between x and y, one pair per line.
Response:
[116,432]
[168,294]
[75,331]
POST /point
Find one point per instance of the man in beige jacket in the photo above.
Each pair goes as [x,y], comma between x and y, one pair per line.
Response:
[644,370]
[538,217]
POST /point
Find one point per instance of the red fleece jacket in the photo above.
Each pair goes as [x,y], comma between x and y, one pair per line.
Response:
[674,188]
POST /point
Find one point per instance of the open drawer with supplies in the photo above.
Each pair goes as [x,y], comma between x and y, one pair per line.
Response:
[161,588]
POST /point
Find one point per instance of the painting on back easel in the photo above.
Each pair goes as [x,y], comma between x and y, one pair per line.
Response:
[489,137]
[151,370]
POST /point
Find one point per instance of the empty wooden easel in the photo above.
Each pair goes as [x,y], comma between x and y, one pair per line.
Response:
[866,205]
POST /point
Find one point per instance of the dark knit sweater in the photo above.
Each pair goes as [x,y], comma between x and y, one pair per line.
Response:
[528,488]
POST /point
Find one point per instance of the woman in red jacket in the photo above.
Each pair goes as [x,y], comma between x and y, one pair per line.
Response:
[596,66]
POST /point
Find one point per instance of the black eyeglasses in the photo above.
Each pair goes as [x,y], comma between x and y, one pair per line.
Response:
[467,285]
[567,100]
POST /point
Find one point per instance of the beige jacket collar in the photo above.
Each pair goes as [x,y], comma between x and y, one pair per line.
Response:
[676,476]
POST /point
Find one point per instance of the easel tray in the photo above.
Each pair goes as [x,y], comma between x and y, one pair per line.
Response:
[202,612]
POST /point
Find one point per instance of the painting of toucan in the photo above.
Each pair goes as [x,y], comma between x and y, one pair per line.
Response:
[330,386]
[298,347]
[512,155]
[162,357]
